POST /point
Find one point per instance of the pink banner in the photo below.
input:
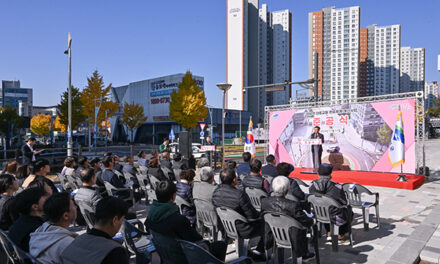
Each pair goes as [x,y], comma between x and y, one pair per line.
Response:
[356,136]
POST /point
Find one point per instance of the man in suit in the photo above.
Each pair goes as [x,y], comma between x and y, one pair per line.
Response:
[28,151]
[317,148]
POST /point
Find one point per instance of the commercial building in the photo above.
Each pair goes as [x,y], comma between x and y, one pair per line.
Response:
[334,34]
[154,96]
[431,94]
[258,52]
[12,94]
[45,110]
[412,76]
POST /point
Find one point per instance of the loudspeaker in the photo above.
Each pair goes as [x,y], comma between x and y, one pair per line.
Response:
[185,144]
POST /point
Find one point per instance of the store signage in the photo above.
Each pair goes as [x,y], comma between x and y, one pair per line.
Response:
[162,100]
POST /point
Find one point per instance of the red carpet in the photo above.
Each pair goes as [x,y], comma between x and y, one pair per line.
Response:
[372,178]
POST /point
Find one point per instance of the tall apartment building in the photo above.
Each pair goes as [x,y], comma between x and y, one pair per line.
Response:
[431,93]
[412,76]
[386,59]
[12,94]
[258,52]
[334,34]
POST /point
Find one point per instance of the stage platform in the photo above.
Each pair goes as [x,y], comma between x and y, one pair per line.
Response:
[372,178]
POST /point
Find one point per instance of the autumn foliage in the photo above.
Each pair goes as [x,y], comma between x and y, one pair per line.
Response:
[40,124]
[188,103]
[133,117]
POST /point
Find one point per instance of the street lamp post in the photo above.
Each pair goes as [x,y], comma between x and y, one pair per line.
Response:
[224,87]
[69,101]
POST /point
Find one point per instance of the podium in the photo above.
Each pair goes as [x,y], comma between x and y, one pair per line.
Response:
[315,143]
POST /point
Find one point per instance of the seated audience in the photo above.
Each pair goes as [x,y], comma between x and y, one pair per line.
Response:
[185,191]
[203,162]
[117,165]
[254,179]
[69,167]
[83,163]
[165,162]
[179,163]
[29,204]
[22,173]
[11,168]
[97,246]
[284,169]
[40,170]
[128,166]
[203,190]
[87,193]
[192,162]
[226,195]
[155,170]
[164,218]
[8,186]
[95,164]
[324,186]
[52,237]
[109,176]
[271,167]
[245,167]
[142,158]
[278,204]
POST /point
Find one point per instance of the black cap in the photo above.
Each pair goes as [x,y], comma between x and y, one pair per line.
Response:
[325,169]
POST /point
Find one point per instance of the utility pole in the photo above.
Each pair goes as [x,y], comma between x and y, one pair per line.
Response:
[69,101]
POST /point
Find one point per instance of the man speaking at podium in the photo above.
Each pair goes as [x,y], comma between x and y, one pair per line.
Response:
[317,148]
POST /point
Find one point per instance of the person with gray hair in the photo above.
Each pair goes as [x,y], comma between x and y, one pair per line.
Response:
[205,187]
[278,204]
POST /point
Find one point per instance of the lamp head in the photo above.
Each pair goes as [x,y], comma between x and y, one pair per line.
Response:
[224,86]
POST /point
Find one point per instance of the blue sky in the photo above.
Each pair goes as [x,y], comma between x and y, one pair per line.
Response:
[139,39]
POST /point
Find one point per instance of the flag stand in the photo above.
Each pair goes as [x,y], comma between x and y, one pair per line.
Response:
[402,177]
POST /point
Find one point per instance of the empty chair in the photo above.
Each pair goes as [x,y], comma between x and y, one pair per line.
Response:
[255,195]
[168,173]
[153,181]
[195,254]
[87,212]
[354,192]
[180,202]
[143,181]
[137,242]
[15,254]
[207,217]
[177,174]
[110,189]
[168,249]
[280,226]
[229,217]
[321,210]
[63,180]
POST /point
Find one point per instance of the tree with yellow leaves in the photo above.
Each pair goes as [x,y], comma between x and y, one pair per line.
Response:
[95,94]
[187,106]
[40,124]
[58,126]
[133,117]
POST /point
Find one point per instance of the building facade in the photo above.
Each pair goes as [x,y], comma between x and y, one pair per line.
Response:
[335,35]
[154,96]
[431,94]
[412,77]
[12,94]
[258,52]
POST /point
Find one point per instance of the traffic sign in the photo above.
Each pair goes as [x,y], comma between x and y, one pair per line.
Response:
[171,135]
[202,126]
[202,134]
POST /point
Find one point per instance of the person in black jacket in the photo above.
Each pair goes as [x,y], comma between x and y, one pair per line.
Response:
[278,204]
[29,204]
[164,218]
[8,186]
[155,170]
[324,186]
[254,179]
[28,152]
[226,195]
[109,176]
[97,244]
[271,167]
[284,169]
[317,148]
[83,163]
[185,191]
